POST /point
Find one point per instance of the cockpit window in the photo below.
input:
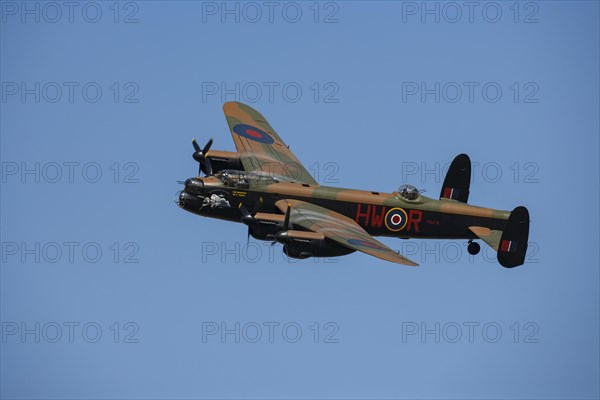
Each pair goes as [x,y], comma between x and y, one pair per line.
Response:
[408,192]
[243,179]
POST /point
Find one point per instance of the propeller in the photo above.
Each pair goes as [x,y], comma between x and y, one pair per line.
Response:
[248,216]
[282,235]
[286,220]
[200,156]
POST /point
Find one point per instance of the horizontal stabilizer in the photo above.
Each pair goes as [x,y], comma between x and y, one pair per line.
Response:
[490,236]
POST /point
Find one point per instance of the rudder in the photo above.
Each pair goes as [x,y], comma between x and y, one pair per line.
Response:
[458,179]
[513,243]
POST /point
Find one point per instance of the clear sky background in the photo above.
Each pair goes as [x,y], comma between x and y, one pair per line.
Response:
[529,332]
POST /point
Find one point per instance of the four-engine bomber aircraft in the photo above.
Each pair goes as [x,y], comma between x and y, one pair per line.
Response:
[264,186]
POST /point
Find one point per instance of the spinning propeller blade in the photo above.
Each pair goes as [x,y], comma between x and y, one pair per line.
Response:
[286,221]
[248,216]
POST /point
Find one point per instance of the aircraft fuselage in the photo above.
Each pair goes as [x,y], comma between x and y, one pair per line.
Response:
[380,214]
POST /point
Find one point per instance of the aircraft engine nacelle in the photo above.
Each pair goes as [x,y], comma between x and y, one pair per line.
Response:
[301,244]
[264,230]
[221,160]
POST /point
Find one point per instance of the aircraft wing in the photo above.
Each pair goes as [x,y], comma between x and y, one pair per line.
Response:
[490,236]
[261,149]
[339,228]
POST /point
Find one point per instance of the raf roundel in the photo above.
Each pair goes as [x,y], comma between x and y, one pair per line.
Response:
[364,243]
[252,133]
[395,219]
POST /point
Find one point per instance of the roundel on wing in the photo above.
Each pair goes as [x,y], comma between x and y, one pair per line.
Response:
[396,219]
[252,133]
[364,243]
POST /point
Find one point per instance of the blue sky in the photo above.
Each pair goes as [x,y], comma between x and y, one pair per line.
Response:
[108,290]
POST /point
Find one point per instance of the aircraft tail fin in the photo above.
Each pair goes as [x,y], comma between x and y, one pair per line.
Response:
[458,179]
[513,242]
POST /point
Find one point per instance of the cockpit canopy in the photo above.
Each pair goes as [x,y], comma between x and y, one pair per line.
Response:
[243,179]
[408,192]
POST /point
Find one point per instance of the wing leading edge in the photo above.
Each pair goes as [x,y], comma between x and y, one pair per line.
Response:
[340,229]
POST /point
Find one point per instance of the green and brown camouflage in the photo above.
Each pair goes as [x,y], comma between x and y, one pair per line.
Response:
[262,153]
[269,178]
[336,227]
[356,202]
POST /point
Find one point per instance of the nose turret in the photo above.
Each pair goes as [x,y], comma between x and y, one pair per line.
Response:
[191,195]
[182,199]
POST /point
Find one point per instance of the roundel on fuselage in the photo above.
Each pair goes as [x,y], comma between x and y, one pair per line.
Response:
[396,219]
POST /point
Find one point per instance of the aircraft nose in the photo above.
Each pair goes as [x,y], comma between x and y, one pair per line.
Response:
[180,198]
